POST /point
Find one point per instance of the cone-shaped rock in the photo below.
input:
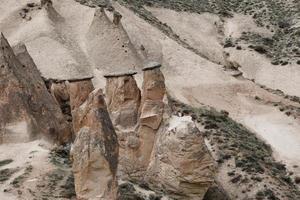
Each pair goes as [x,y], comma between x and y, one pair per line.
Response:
[104,33]
[24,99]
[95,151]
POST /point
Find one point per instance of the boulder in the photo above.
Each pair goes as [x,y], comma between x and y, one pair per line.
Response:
[25,100]
[95,151]
[181,164]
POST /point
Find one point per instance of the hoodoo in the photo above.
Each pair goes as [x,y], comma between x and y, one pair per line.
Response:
[95,151]
[25,100]
[151,110]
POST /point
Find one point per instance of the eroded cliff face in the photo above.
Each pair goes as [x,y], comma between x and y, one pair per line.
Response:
[95,151]
[25,101]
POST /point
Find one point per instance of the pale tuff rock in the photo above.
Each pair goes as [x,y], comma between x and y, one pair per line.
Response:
[95,151]
[123,99]
[103,33]
[180,162]
[24,98]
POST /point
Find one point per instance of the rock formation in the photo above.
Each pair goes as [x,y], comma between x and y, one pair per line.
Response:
[60,93]
[123,99]
[105,33]
[151,110]
[181,164]
[79,91]
[95,151]
[24,98]
[70,95]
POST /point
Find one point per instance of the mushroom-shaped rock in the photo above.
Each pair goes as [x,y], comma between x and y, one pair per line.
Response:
[95,151]
[181,163]
[123,98]
[24,99]
[151,110]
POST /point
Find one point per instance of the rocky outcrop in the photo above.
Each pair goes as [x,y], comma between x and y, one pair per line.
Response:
[181,164]
[70,94]
[151,110]
[24,99]
[95,150]
[123,99]
[79,91]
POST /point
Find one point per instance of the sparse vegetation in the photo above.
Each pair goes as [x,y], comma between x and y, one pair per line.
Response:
[5,174]
[5,162]
[20,179]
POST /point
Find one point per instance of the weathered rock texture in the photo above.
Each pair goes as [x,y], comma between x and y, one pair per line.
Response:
[123,99]
[79,92]
[70,95]
[105,33]
[181,164]
[24,99]
[95,151]
[61,94]
[151,111]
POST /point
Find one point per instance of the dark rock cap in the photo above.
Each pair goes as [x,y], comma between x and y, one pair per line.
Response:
[152,65]
[70,80]
[119,74]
